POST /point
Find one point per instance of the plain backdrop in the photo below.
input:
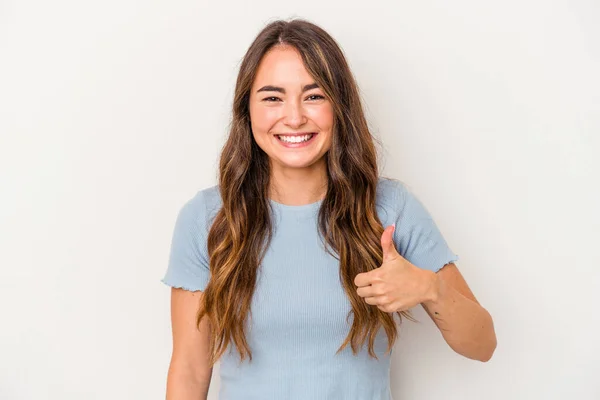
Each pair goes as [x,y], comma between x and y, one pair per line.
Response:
[112,115]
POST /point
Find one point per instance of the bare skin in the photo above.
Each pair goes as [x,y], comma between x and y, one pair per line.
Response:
[189,372]
[285,100]
[399,285]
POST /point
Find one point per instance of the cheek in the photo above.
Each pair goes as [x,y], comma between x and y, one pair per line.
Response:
[323,117]
[262,119]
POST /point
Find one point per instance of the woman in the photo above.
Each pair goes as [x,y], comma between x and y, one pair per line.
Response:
[283,271]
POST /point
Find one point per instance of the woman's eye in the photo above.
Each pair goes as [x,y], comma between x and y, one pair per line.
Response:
[315,97]
[272,98]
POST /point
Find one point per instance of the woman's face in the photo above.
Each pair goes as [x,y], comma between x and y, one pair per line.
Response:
[291,118]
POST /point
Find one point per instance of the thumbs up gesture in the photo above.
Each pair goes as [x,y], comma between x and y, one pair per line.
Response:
[397,285]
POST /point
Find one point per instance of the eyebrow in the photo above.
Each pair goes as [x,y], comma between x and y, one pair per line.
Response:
[270,88]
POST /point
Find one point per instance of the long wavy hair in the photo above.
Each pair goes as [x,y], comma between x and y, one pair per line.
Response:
[347,221]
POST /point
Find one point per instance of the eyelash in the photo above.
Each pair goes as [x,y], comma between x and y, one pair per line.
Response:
[267,99]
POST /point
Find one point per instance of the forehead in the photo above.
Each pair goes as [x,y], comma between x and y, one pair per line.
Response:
[282,66]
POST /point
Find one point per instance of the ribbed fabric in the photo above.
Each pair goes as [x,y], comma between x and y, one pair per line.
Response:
[299,308]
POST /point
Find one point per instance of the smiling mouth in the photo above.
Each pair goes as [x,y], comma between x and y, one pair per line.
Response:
[296,138]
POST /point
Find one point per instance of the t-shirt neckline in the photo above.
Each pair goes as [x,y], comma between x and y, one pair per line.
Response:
[304,207]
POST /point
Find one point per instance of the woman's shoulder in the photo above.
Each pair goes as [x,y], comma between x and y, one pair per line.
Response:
[203,205]
[391,192]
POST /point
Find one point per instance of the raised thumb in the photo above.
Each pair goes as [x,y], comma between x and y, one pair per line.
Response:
[387,243]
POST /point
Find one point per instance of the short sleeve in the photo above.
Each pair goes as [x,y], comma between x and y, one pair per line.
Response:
[188,265]
[417,237]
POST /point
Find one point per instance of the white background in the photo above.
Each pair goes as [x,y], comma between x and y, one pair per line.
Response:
[112,115]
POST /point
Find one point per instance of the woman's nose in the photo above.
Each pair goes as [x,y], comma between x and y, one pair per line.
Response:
[294,115]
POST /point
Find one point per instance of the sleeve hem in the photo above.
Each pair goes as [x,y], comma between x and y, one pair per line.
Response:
[190,288]
[451,260]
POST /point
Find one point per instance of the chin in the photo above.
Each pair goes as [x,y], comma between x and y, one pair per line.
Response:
[300,162]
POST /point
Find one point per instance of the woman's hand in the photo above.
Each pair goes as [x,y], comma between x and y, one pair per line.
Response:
[397,285]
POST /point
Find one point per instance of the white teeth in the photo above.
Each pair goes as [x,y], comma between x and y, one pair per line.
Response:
[295,139]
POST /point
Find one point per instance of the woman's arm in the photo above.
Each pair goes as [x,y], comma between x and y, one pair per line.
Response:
[399,285]
[189,372]
[466,326]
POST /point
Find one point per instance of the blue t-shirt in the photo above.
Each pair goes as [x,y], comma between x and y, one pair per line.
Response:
[299,308]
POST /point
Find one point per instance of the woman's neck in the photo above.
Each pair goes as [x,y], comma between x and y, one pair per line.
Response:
[298,186]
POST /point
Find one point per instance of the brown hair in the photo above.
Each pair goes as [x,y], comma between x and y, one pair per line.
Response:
[348,221]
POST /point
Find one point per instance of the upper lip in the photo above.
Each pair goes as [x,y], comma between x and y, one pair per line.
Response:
[295,134]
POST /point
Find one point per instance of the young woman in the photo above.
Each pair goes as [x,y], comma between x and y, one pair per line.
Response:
[290,271]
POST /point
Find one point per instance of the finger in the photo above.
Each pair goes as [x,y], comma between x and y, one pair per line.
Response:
[387,243]
[388,308]
[374,301]
[367,291]
[363,279]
